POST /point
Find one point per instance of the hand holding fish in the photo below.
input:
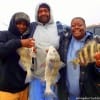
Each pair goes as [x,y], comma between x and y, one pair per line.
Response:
[97,57]
[30,42]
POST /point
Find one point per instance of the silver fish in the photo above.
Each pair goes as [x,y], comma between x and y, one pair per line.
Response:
[86,54]
[53,65]
[26,55]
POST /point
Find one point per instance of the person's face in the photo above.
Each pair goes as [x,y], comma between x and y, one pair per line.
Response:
[21,26]
[78,28]
[43,15]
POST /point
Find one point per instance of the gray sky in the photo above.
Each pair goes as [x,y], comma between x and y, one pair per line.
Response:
[63,10]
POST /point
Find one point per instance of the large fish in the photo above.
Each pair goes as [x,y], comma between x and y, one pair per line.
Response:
[86,54]
[53,65]
[26,55]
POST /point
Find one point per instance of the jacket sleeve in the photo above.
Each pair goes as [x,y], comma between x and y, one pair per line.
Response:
[8,46]
[97,71]
[32,28]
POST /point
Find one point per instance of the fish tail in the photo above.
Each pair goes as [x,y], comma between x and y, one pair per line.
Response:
[49,92]
[28,76]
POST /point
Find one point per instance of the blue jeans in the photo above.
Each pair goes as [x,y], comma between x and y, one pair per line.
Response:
[71,97]
[36,92]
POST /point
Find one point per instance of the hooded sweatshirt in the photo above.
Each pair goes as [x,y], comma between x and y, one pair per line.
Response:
[12,76]
[45,35]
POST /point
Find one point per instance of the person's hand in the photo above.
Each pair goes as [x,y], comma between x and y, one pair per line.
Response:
[97,58]
[30,42]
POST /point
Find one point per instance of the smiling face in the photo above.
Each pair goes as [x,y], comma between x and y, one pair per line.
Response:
[78,28]
[43,15]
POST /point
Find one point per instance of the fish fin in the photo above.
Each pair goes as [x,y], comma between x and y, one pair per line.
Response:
[75,62]
[51,63]
[61,65]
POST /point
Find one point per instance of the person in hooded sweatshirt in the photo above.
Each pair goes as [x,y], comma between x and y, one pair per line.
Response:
[46,32]
[12,75]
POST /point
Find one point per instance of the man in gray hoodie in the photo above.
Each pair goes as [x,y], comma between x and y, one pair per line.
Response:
[46,33]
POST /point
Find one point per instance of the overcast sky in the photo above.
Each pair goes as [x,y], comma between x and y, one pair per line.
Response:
[63,10]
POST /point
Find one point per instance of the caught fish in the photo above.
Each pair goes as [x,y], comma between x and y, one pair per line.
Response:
[86,54]
[26,55]
[53,65]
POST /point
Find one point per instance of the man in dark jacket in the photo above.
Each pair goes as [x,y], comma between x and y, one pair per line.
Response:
[82,81]
[12,75]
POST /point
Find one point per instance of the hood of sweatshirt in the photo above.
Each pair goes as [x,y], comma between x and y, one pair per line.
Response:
[20,16]
[36,14]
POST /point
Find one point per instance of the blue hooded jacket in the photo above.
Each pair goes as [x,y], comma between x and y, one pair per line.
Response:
[89,76]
